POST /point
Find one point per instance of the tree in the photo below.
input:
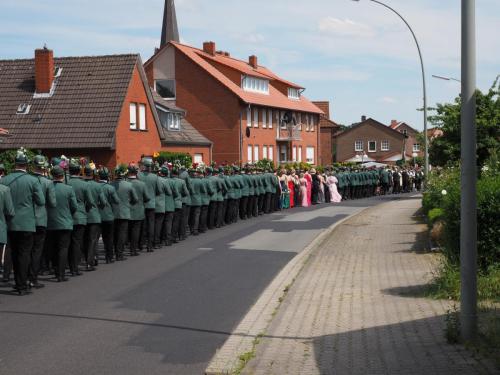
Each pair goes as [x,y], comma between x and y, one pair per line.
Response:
[446,149]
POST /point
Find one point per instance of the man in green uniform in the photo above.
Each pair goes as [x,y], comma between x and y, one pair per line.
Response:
[86,203]
[106,212]
[92,230]
[186,203]
[160,210]
[245,190]
[27,193]
[121,211]
[153,187]
[180,200]
[206,197]
[138,209]
[170,206]
[60,223]
[39,164]
[6,213]
[197,189]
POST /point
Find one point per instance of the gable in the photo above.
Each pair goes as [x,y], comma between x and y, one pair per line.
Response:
[371,124]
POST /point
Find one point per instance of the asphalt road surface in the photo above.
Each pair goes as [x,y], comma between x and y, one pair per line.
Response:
[160,313]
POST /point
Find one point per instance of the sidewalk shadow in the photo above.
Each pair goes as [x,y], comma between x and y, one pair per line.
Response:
[411,347]
[410,291]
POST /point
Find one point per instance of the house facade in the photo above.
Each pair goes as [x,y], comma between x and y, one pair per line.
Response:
[99,107]
[370,140]
[328,128]
[412,145]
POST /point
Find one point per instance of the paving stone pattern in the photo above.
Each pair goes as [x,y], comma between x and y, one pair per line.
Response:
[358,308]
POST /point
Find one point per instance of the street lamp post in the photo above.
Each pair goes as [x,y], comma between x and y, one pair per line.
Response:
[426,143]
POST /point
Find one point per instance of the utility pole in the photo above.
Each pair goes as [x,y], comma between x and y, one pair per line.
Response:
[468,201]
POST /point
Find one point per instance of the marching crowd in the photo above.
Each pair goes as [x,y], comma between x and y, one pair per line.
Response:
[52,217]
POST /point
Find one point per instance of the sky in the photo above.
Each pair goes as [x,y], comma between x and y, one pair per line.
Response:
[357,55]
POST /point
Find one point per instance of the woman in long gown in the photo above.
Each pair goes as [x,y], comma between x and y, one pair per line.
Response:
[321,190]
[303,190]
[308,178]
[314,187]
[332,182]
[291,188]
[285,194]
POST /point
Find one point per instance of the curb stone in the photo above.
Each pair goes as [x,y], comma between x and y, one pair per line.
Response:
[255,323]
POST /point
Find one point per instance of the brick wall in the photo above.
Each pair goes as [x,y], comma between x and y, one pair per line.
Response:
[326,145]
[131,144]
[192,150]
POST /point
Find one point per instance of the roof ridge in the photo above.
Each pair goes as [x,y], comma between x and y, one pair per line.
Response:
[76,57]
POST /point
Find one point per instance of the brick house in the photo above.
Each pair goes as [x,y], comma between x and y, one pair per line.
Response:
[328,129]
[412,143]
[98,107]
[370,140]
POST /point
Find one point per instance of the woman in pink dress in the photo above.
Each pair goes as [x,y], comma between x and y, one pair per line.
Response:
[332,182]
[308,178]
[303,191]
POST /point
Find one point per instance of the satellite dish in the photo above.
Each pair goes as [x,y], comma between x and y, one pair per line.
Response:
[247,132]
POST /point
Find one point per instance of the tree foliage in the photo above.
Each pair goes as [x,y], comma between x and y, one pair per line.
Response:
[445,150]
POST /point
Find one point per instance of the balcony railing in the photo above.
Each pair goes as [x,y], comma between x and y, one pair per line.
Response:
[289,132]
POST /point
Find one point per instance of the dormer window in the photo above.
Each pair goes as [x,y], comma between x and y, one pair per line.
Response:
[23,109]
[57,72]
[254,84]
[293,93]
[165,88]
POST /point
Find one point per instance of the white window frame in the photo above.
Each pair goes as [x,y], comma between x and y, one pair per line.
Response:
[294,153]
[254,84]
[312,124]
[142,117]
[264,152]
[293,93]
[249,117]
[270,118]
[282,123]
[299,116]
[309,159]
[300,155]
[264,118]
[250,153]
[369,148]
[255,117]
[385,145]
[307,122]
[270,153]
[416,147]
[133,116]
[256,153]
[198,158]
[357,147]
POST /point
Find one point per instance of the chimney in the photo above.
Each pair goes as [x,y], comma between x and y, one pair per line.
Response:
[363,118]
[44,70]
[252,60]
[394,123]
[209,47]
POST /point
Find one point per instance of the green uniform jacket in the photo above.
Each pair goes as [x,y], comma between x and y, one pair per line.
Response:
[143,198]
[170,199]
[61,216]
[183,192]
[235,192]
[84,199]
[219,187]
[228,185]
[111,197]
[128,197]
[165,190]
[210,192]
[50,200]
[94,214]
[6,212]
[26,192]
[197,189]
[153,186]
[249,181]
[244,185]
[187,180]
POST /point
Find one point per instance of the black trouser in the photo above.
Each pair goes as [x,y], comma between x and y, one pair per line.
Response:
[219,221]
[6,255]
[203,219]
[194,219]
[212,214]
[159,219]
[167,228]
[176,224]
[267,202]
[92,232]
[223,218]
[59,241]
[148,229]
[243,207]
[75,250]
[120,236]
[21,244]
[134,234]
[107,230]
[36,253]
[184,221]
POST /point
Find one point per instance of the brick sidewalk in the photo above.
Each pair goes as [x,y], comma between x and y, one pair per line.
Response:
[355,307]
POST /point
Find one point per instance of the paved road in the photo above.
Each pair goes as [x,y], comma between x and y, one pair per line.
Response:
[160,313]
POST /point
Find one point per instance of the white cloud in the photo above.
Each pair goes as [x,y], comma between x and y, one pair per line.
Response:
[329,74]
[388,100]
[345,27]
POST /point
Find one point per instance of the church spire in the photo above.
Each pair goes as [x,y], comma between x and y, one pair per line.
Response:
[169,30]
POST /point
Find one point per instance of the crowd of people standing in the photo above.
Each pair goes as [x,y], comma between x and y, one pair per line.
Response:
[53,215]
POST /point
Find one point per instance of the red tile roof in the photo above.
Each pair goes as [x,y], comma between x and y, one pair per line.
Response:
[275,98]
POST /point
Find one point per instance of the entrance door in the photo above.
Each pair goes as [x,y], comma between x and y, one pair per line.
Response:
[283,153]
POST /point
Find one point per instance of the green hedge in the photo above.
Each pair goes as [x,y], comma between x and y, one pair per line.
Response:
[174,157]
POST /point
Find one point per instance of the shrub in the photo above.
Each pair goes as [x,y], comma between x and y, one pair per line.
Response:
[434,215]
[438,181]
[173,157]
[488,220]
[7,158]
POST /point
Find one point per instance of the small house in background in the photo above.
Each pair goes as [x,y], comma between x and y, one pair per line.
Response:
[413,146]
[95,106]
